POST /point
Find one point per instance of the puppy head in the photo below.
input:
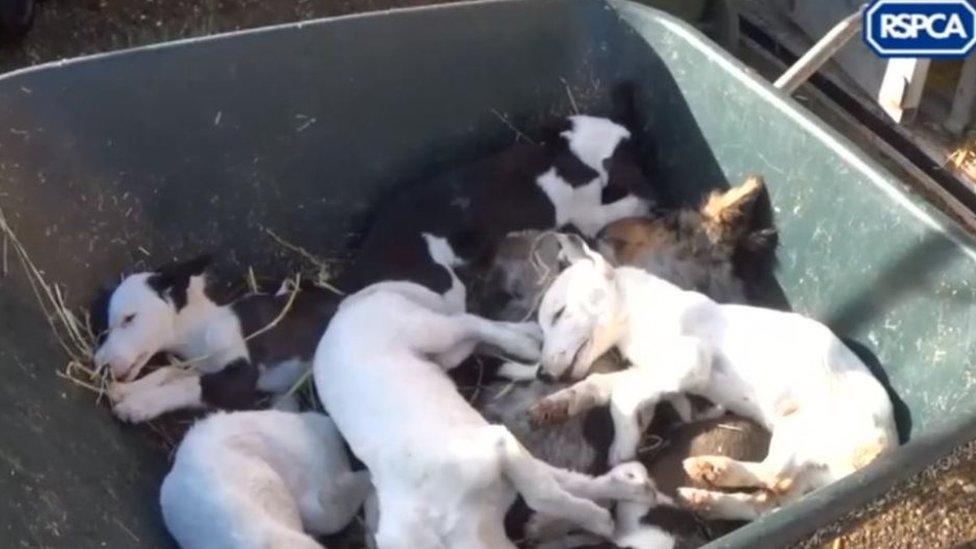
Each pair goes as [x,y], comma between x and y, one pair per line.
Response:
[138,319]
[578,313]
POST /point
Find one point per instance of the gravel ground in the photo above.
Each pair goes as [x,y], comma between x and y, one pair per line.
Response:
[936,508]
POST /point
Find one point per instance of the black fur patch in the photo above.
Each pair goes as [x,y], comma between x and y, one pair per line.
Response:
[598,432]
[173,280]
[232,388]
[299,331]
[625,174]
[573,170]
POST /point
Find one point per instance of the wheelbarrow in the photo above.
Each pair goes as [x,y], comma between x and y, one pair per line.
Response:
[134,158]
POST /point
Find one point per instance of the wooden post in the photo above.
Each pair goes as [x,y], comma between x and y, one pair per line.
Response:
[820,53]
[901,88]
[964,102]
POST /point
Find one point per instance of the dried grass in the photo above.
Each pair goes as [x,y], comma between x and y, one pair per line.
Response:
[323,275]
[71,330]
[963,158]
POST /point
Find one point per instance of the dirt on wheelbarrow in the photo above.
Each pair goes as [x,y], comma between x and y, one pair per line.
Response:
[936,508]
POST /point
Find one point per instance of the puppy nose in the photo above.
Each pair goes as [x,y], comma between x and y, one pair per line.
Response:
[544,376]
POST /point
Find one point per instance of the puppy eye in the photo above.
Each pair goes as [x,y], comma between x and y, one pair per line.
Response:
[558,314]
[127,319]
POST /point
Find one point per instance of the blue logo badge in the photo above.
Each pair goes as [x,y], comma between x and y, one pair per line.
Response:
[920,28]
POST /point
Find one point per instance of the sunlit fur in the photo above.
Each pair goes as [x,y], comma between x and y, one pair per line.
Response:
[443,475]
[698,249]
[253,480]
[827,414]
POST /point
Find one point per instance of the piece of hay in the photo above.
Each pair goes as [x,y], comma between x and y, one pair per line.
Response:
[323,270]
[518,134]
[252,281]
[964,157]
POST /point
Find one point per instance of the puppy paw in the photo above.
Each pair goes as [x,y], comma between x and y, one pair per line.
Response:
[696,499]
[708,470]
[631,482]
[135,410]
[524,341]
[555,409]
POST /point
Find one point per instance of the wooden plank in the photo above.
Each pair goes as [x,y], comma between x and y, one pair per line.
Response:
[901,89]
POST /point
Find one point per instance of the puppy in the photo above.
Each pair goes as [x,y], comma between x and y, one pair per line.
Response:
[718,249]
[260,479]
[561,181]
[444,476]
[828,415]
[237,356]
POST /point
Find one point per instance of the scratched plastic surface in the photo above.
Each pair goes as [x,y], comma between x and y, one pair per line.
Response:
[200,145]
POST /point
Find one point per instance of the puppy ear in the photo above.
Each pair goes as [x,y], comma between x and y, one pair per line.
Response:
[173,280]
[572,248]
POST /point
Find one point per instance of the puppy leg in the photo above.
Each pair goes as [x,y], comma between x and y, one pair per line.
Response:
[777,473]
[631,409]
[727,506]
[580,397]
[534,480]
[180,394]
[119,390]
[516,371]
[451,338]
[627,482]
[724,472]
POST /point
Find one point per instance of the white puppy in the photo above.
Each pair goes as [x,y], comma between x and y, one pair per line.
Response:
[443,475]
[260,479]
[827,413]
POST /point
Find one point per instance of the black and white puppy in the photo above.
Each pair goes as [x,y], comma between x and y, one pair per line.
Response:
[168,311]
[466,212]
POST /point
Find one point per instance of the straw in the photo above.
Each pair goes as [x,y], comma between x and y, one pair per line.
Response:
[507,122]
[964,157]
[323,274]
[75,337]
[569,93]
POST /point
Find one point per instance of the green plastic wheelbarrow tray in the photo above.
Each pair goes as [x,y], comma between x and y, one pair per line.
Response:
[203,144]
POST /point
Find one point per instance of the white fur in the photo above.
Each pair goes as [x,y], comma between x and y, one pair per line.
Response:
[593,140]
[444,476]
[631,531]
[442,253]
[260,479]
[828,415]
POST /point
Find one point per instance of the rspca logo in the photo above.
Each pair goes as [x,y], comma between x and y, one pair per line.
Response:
[920,28]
